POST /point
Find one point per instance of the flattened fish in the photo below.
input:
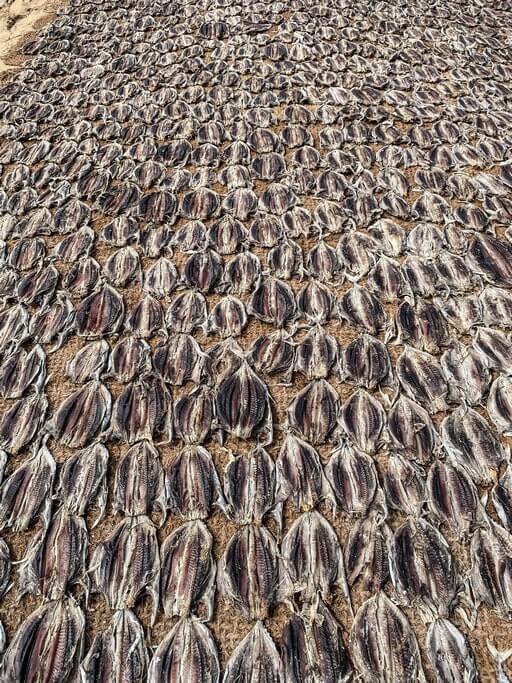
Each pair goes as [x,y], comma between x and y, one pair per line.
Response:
[383,645]
[353,478]
[192,483]
[56,627]
[100,314]
[21,422]
[187,654]
[314,412]
[126,565]
[450,653]
[452,496]
[187,573]
[502,498]
[363,419]
[118,653]
[366,553]
[255,659]
[83,416]
[250,487]
[300,477]
[422,378]
[312,648]
[139,486]
[143,410]
[249,571]
[88,363]
[21,371]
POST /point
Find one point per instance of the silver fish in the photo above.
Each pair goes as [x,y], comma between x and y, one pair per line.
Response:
[404,485]
[193,415]
[180,360]
[496,349]
[363,310]
[317,354]
[99,314]
[466,372]
[143,410]
[273,301]
[366,362]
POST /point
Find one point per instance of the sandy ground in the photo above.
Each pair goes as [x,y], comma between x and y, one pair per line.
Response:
[18,20]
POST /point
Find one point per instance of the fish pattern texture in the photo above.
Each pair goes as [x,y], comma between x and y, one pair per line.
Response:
[256,343]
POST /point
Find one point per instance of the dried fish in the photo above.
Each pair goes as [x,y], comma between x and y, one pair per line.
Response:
[450,653]
[21,371]
[21,422]
[82,481]
[366,362]
[243,404]
[83,416]
[192,483]
[273,354]
[187,312]
[130,358]
[143,410]
[139,482]
[250,487]
[392,655]
[5,569]
[47,630]
[118,653]
[88,363]
[126,564]
[300,477]
[363,419]
[422,378]
[312,559]
[502,498]
[495,347]
[187,570]
[312,648]
[273,301]
[471,442]
[467,374]
[452,497]
[499,404]
[404,485]
[366,553]
[422,568]
[314,412]
[255,659]
[316,354]
[55,558]
[187,654]
[100,313]
[363,310]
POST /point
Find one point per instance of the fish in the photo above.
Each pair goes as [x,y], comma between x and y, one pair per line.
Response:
[118,653]
[392,655]
[366,363]
[273,301]
[130,358]
[502,498]
[25,494]
[82,482]
[499,404]
[317,354]
[422,378]
[249,571]
[404,485]
[194,415]
[45,630]
[55,558]
[99,314]
[21,371]
[145,319]
[143,411]
[251,487]
[255,658]
[312,559]
[192,483]
[161,278]
[353,478]
[186,654]
[366,553]
[363,310]
[315,411]
[450,653]
[139,485]
[89,362]
[466,372]
[300,478]
[452,497]
[312,647]
[126,564]
[83,416]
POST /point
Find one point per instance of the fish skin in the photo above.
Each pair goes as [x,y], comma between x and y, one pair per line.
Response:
[255,659]
[361,309]
[450,653]
[187,654]
[312,648]
[101,313]
[194,415]
[126,564]
[57,627]
[249,571]
[421,377]
[187,575]
[130,358]
[273,302]
[404,485]
[300,476]
[383,645]
[180,360]
[466,372]
[366,363]
[317,354]
[118,653]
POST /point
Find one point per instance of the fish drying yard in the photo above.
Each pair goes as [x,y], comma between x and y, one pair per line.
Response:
[256,342]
